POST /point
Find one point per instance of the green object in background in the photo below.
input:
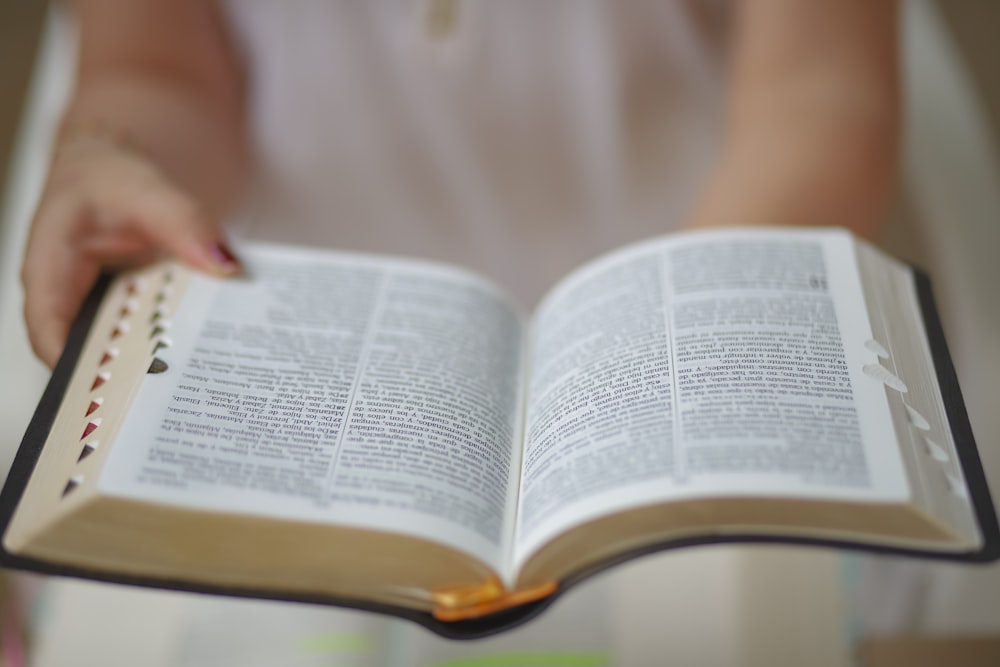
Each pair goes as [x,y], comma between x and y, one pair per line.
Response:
[532,659]
[337,643]
[356,643]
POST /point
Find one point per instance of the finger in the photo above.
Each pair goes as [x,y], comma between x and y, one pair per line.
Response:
[56,280]
[115,246]
[173,221]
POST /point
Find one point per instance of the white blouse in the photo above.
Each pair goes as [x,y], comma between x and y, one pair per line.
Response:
[517,138]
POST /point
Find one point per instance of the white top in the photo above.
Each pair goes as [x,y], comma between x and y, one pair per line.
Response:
[517,138]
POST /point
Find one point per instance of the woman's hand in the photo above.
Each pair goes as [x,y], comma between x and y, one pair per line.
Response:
[105,205]
[157,74]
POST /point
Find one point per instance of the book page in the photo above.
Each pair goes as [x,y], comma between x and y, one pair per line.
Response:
[335,388]
[706,364]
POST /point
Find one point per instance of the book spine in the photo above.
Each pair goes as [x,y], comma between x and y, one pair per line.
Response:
[958,421]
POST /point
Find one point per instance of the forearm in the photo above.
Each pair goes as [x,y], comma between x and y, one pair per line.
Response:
[197,146]
[827,176]
[164,74]
[813,117]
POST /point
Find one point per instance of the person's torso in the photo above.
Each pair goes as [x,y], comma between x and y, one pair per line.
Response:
[517,138]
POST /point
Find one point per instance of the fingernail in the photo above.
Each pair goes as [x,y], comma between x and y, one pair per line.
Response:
[224,258]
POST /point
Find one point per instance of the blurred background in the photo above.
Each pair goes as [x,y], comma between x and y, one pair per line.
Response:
[20,30]
[744,607]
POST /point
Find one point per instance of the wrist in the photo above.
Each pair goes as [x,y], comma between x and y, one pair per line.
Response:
[780,185]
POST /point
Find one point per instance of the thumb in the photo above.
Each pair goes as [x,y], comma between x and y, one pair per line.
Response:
[56,279]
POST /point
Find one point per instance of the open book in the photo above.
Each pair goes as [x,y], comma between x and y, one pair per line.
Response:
[395,435]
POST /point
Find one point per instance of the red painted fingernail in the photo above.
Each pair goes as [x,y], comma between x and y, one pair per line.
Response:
[224,257]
